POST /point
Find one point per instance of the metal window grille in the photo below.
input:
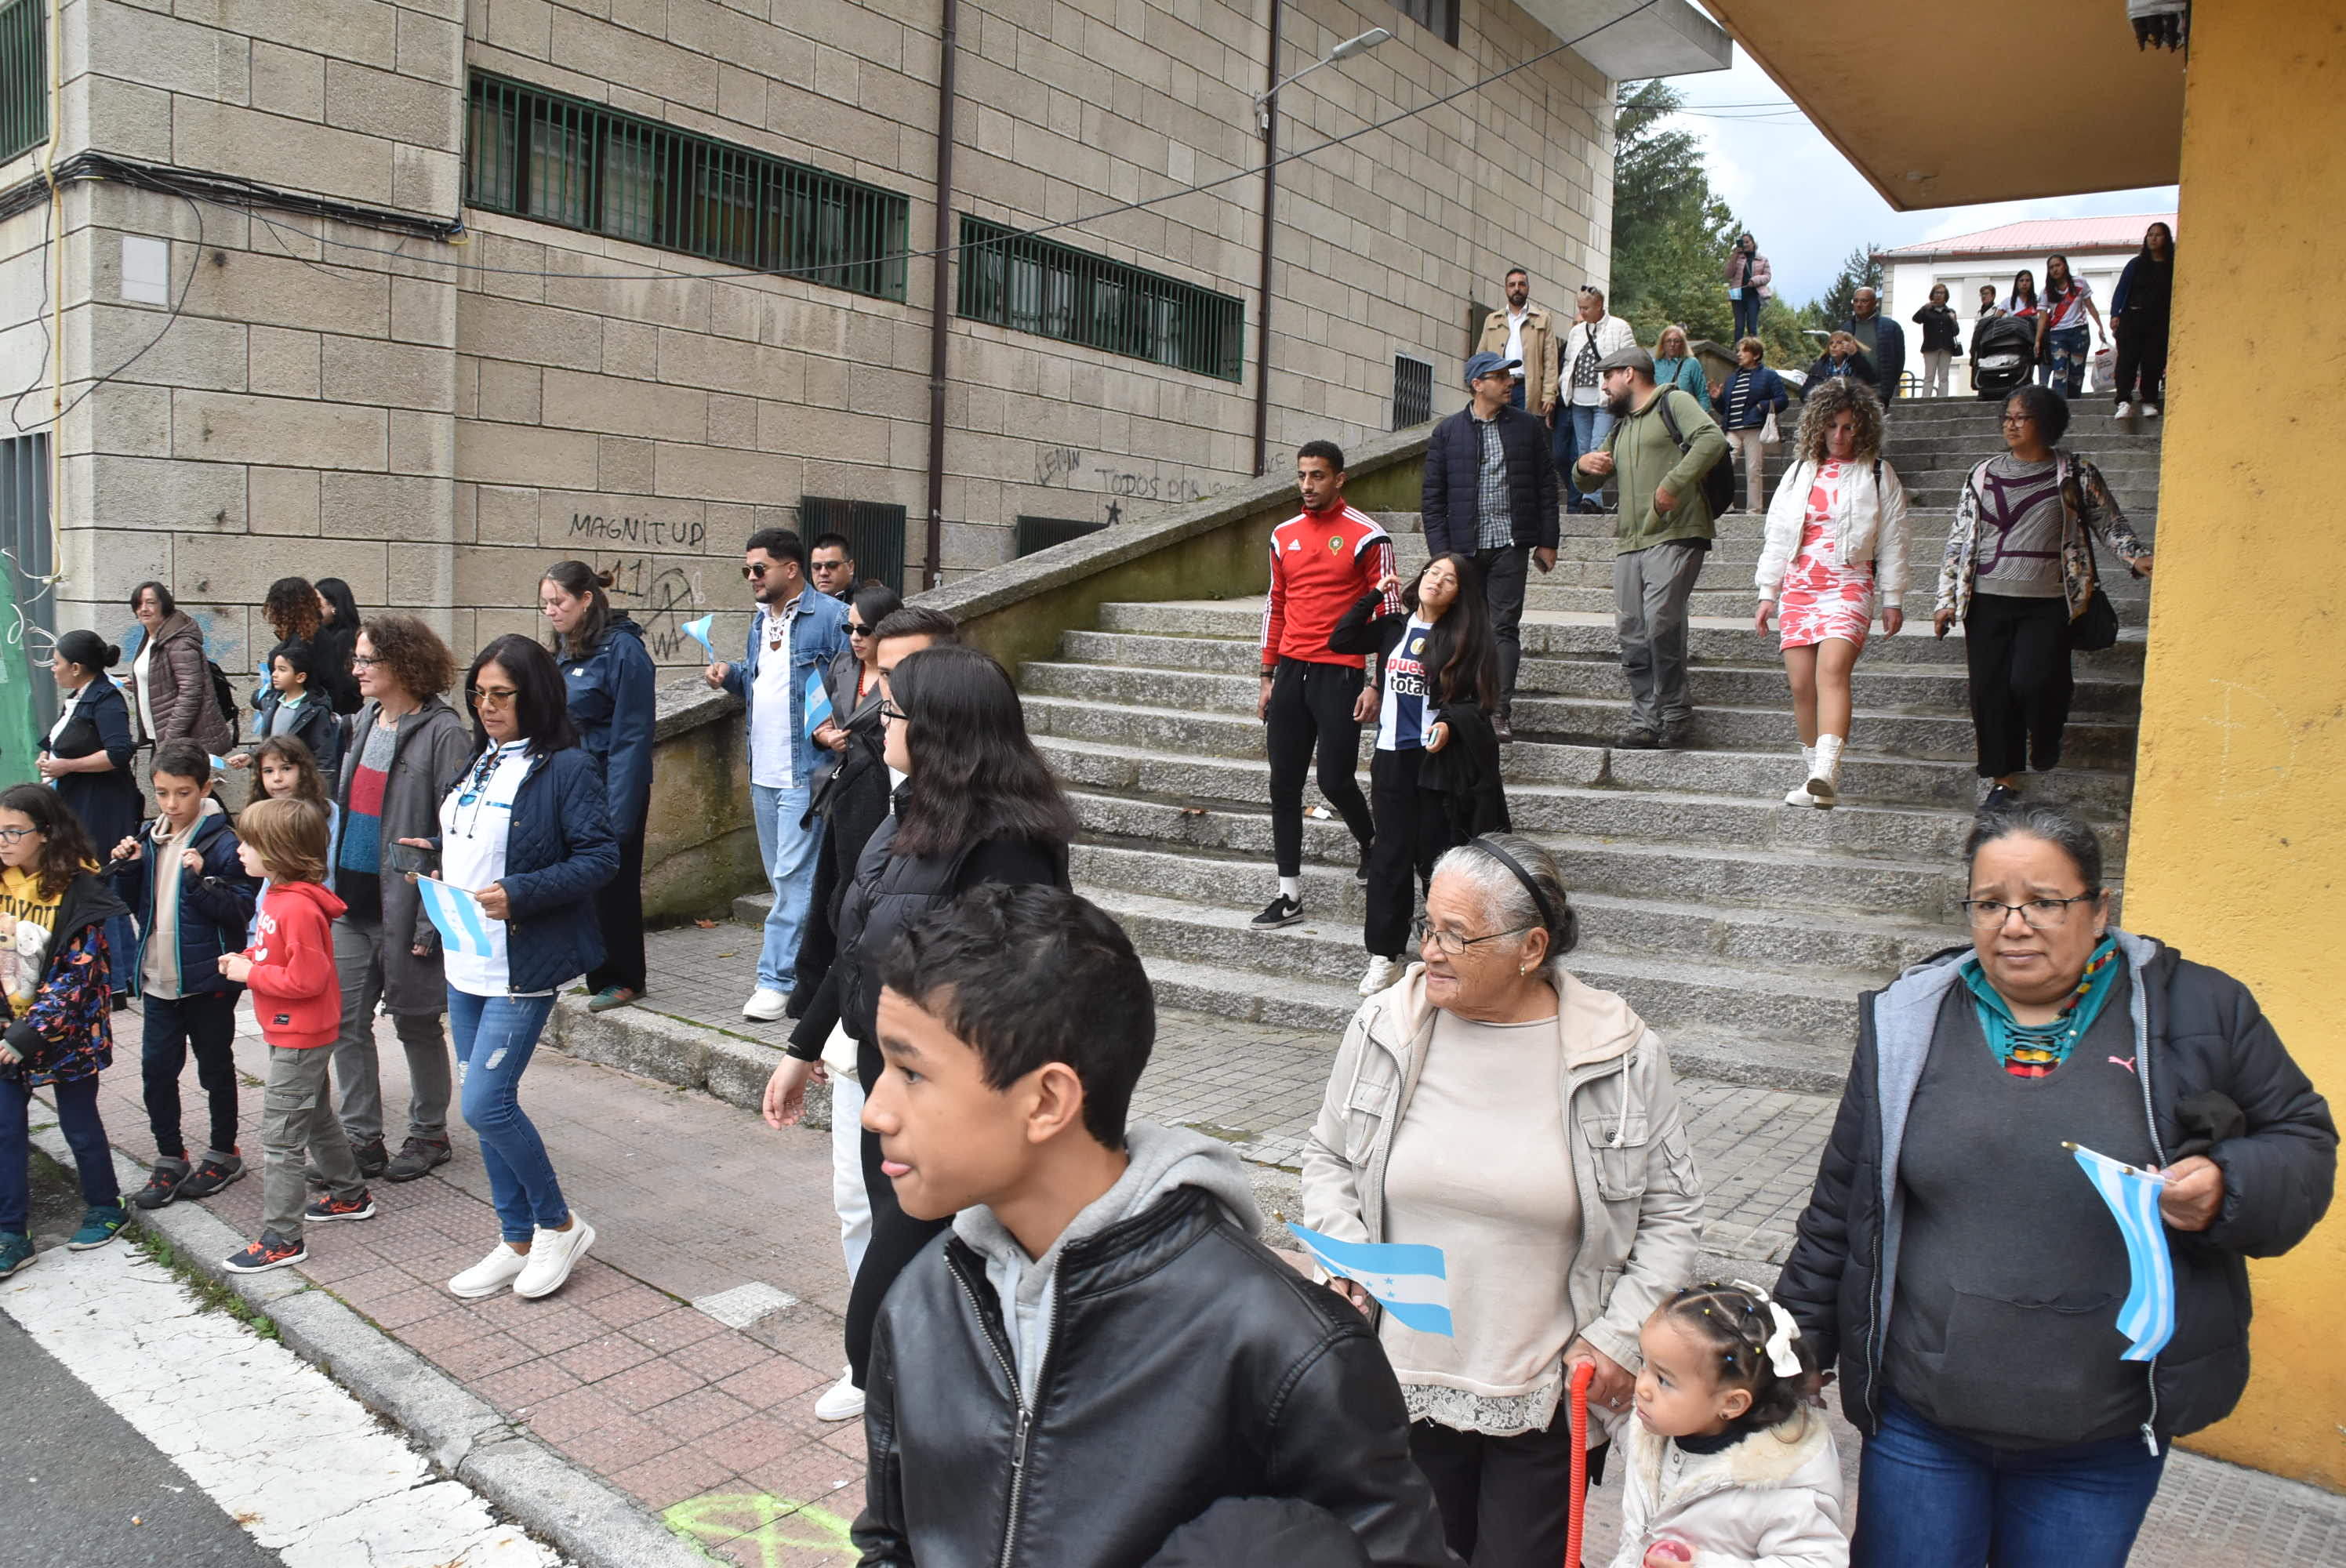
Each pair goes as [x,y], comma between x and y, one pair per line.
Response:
[1041,533]
[1412,401]
[558,159]
[25,535]
[1441,16]
[1031,285]
[23,77]
[874,530]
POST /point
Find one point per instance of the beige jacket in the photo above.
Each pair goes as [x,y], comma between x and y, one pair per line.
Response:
[1539,351]
[1640,1195]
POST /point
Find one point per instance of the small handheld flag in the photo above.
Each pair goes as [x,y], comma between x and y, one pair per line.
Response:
[220,764]
[818,702]
[1411,1282]
[2147,1318]
[701,631]
[458,916]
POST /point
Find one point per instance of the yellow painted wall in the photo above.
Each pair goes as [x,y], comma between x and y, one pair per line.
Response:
[2239,848]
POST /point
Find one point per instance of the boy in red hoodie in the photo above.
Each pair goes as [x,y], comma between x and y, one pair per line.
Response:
[298,1000]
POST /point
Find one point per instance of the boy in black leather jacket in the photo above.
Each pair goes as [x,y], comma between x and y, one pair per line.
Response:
[1100,1348]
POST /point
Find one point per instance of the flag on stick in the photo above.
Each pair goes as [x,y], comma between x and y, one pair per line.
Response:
[1411,1282]
[818,702]
[2147,1315]
[699,631]
[458,916]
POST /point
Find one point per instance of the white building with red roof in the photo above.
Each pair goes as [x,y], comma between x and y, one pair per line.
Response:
[2098,250]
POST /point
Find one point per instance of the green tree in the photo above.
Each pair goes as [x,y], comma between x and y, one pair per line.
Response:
[1670,233]
[1859,269]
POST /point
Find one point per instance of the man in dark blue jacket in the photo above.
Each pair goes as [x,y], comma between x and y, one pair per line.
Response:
[1884,341]
[1489,495]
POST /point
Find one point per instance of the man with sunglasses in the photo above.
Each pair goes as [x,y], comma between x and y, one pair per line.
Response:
[796,632]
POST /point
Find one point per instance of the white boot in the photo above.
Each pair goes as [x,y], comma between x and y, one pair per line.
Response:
[1797,795]
[1382,973]
[1824,793]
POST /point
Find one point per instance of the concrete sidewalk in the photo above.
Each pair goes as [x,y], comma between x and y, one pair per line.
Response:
[683,1361]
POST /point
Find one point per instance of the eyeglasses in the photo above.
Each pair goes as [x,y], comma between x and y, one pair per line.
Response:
[2020,419]
[890,710]
[1450,943]
[2042,914]
[756,570]
[491,696]
[364,661]
[10,835]
[855,630]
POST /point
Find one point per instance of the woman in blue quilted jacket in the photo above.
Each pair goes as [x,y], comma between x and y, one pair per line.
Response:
[527,836]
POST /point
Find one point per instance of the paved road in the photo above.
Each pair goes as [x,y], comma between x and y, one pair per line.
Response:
[78,1487]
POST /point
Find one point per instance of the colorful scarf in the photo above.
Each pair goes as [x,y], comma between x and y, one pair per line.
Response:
[2033,1050]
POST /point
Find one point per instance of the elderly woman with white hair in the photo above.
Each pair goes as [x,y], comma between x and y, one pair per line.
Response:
[1492,1105]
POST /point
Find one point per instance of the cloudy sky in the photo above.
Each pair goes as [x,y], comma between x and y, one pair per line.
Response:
[1809,207]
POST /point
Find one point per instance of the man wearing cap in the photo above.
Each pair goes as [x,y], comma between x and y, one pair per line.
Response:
[1664,533]
[1523,332]
[1489,495]
[1582,419]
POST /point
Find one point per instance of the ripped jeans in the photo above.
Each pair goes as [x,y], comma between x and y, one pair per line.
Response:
[495,1036]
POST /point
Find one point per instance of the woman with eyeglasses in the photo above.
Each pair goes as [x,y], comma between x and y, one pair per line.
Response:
[978,805]
[607,672]
[407,747]
[2020,574]
[1492,1105]
[1964,1266]
[851,779]
[526,834]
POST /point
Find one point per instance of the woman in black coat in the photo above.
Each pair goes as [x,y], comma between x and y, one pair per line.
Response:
[850,781]
[1966,1266]
[86,758]
[978,805]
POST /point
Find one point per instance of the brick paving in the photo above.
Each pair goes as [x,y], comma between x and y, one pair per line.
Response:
[711,1426]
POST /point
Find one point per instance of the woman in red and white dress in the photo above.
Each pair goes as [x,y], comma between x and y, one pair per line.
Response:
[1835,551]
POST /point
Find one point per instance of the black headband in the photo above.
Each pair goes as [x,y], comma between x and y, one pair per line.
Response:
[1547,911]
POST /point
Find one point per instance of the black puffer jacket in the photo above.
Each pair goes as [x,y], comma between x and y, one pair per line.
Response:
[1450,504]
[2198,1030]
[1187,1363]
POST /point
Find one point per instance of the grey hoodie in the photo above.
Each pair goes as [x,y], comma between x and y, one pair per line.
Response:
[1163,1159]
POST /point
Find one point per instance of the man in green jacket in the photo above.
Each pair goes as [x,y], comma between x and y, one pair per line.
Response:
[1664,533]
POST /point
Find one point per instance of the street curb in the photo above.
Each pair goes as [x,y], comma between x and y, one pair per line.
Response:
[462,1435]
[667,1050]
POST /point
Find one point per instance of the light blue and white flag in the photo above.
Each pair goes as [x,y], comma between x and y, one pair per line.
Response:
[219,763]
[818,702]
[1411,1282]
[701,631]
[2147,1317]
[458,916]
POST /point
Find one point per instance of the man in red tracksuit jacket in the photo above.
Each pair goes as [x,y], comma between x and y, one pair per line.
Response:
[1321,560]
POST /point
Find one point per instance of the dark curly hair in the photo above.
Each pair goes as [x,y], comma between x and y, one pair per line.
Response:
[1732,1319]
[291,610]
[419,660]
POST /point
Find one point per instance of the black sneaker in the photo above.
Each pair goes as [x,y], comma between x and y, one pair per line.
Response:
[359,1208]
[415,1157]
[271,1251]
[163,1183]
[1999,798]
[1676,737]
[1362,874]
[211,1176]
[1280,910]
[1638,740]
[372,1157]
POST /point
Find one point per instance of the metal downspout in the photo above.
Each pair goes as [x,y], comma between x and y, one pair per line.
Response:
[1270,197]
[940,293]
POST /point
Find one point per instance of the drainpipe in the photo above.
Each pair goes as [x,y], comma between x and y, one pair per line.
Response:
[1269,195]
[940,295]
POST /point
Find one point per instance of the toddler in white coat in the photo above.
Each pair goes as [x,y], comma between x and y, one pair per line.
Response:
[1726,1462]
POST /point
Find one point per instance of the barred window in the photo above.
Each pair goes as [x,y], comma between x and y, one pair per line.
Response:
[1034,285]
[1441,16]
[558,159]
[1412,400]
[23,77]
[874,530]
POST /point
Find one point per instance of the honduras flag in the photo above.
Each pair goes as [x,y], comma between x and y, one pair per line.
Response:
[701,631]
[2147,1317]
[1411,1282]
[458,916]
[818,702]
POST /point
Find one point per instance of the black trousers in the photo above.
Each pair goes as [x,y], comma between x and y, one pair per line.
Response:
[819,938]
[1505,1502]
[1412,829]
[2142,357]
[619,912]
[1312,715]
[896,1239]
[2018,654]
[1506,575]
[204,1024]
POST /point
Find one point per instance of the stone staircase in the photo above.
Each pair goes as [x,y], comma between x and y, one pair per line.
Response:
[1742,927]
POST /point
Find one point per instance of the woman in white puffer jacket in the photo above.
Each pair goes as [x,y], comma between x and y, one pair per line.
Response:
[1835,551]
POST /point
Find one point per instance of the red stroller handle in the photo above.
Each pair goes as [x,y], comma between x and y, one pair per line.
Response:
[1583,1375]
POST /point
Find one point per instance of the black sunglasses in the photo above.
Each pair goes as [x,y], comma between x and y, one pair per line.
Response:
[856,630]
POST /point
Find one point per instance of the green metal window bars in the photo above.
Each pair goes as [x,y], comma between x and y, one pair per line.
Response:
[1034,285]
[23,77]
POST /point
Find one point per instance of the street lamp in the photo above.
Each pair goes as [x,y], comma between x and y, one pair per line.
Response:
[1343,51]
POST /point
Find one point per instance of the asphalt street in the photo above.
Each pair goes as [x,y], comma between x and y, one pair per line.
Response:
[79,1488]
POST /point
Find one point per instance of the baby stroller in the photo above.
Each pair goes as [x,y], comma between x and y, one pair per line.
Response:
[2003,351]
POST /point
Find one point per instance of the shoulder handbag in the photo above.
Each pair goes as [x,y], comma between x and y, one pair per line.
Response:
[1718,479]
[2096,626]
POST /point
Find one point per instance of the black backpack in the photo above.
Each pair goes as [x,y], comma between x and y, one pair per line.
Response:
[1718,479]
[225,696]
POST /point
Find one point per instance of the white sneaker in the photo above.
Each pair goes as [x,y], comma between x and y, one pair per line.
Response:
[765,1004]
[2124,410]
[842,1401]
[2151,410]
[553,1253]
[1382,973]
[490,1275]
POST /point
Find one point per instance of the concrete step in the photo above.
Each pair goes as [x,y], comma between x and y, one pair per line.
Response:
[1910,688]
[2089,741]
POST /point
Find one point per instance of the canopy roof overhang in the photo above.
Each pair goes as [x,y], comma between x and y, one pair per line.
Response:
[1664,38]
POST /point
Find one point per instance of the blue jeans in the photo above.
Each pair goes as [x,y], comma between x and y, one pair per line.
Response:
[1747,314]
[1576,436]
[1930,1499]
[2067,350]
[789,853]
[76,1103]
[495,1036]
